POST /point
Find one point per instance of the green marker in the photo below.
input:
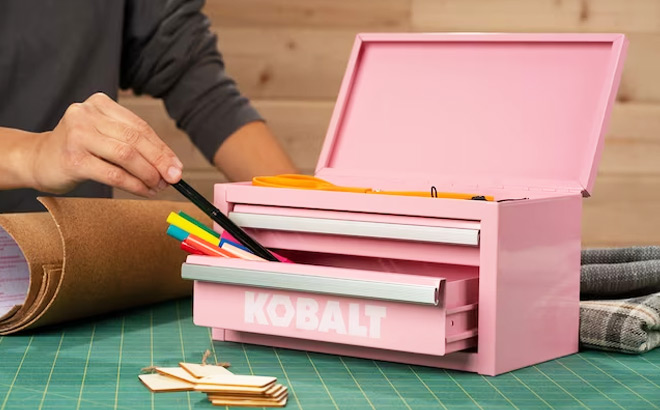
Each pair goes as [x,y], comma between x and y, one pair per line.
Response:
[196,222]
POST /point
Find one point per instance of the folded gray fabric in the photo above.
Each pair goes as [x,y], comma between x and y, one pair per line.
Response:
[620,272]
[620,299]
[624,325]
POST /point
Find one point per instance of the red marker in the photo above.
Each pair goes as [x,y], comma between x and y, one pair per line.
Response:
[190,249]
[206,248]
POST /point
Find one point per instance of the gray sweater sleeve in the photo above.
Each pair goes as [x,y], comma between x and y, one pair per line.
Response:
[170,53]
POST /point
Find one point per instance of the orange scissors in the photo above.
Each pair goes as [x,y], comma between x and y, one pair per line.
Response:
[296,181]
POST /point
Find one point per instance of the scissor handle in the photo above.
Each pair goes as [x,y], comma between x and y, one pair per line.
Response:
[285,181]
[301,182]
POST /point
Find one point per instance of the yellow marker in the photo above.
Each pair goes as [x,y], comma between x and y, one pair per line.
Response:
[191,228]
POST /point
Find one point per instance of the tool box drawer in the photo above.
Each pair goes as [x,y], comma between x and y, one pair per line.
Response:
[360,233]
[404,312]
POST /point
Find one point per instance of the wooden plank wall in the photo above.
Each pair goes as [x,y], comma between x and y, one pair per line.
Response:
[289,57]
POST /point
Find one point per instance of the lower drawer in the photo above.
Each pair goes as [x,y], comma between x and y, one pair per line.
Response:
[410,313]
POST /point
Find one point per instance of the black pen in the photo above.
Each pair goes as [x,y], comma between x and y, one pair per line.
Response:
[222,220]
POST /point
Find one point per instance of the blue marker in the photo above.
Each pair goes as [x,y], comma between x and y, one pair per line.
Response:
[177,233]
[236,244]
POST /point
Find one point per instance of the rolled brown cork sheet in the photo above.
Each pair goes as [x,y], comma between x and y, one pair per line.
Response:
[89,256]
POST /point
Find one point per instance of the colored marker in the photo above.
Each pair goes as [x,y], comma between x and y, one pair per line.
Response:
[196,222]
[177,233]
[191,228]
[190,249]
[206,248]
[181,235]
[227,238]
[221,219]
[241,253]
[236,244]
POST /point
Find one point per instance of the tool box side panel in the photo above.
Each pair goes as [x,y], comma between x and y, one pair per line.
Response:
[220,200]
[537,281]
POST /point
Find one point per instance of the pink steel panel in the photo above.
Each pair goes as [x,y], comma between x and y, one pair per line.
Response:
[529,267]
[409,250]
[354,216]
[335,245]
[457,361]
[310,270]
[346,201]
[509,110]
[372,323]
[537,282]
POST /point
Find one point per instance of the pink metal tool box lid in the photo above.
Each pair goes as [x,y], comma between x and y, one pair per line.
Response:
[519,111]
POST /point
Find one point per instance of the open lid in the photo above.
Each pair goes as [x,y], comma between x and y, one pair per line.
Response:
[487,110]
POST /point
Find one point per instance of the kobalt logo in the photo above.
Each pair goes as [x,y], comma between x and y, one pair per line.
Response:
[306,314]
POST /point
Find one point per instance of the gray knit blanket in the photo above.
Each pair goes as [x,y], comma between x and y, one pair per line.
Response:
[620,299]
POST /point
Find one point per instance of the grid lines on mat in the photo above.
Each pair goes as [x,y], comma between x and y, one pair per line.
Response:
[95,363]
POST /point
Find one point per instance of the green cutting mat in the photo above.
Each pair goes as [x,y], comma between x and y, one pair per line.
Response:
[96,363]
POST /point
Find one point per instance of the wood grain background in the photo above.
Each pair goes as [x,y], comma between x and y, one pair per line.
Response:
[289,56]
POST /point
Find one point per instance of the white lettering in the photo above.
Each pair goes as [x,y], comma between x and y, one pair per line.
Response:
[354,326]
[255,308]
[280,310]
[289,311]
[332,319]
[306,314]
[375,314]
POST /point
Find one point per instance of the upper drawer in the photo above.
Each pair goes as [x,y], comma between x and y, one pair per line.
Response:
[406,228]
[338,305]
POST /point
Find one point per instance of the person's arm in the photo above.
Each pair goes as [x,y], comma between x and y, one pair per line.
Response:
[252,151]
[16,152]
[170,53]
[96,139]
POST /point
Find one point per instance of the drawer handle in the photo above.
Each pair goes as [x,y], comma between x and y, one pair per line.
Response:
[389,291]
[438,234]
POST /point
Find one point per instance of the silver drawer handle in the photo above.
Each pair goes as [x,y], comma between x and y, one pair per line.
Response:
[438,234]
[390,291]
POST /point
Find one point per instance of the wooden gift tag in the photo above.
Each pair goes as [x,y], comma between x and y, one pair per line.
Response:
[277,392]
[205,370]
[212,397]
[252,391]
[177,373]
[250,402]
[238,380]
[159,383]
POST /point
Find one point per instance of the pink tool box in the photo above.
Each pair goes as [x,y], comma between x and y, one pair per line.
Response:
[474,285]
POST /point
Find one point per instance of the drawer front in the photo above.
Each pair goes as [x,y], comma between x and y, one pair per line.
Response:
[363,322]
[406,228]
[347,306]
[362,234]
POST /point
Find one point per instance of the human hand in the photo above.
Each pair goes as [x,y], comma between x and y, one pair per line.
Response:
[105,142]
